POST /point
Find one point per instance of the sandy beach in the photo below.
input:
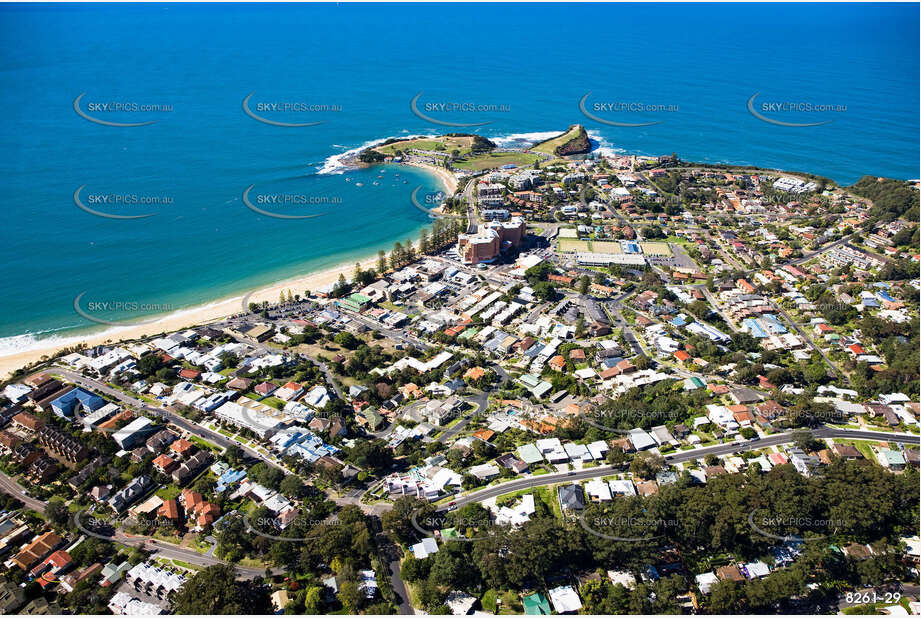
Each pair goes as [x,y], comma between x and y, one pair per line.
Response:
[444,175]
[212,311]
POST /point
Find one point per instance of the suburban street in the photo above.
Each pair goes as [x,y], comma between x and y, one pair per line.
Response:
[161,548]
[673,458]
[176,419]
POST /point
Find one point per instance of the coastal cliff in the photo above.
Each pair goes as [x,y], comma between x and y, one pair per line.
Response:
[577,144]
[572,141]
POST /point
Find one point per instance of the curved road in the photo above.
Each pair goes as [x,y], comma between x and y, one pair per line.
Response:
[681,456]
[162,548]
[172,417]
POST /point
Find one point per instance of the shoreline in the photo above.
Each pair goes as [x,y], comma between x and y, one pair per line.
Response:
[210,311]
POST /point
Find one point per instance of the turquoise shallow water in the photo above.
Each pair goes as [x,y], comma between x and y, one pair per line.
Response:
[529,67]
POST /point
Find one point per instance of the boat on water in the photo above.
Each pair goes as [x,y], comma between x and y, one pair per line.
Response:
[359,184]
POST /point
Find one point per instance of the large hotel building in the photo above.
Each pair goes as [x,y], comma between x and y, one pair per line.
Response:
[490,240]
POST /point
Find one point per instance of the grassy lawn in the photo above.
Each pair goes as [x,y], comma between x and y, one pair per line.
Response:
[169,492]
[571,245]
[656,248]
[606,246]
[391,307]
[861,445]
[511,603]
[509,498]
[167,538]
[442,144]
[551,144]
[488,600]
[274,402]
[224,432]
[201,442]
[547,495]
[199,545]
[179,564]
[492,160]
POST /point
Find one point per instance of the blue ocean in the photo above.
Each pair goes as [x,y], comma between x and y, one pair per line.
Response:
[344,75]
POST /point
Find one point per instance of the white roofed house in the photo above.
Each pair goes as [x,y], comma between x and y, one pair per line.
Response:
[721,415]
[367,583]
[662,436]
[565,600]
[133,432]
[640,439]
[598,449]
[424,548]
[317,397]
[623,487]
[259,423]
[598,491]
[552,450]
[516,514]
[577,452]
[485,472]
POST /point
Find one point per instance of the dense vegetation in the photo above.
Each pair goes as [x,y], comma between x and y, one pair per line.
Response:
[691,528]
[215,590]
[891,198]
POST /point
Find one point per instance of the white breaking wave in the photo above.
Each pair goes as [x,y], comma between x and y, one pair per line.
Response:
[335,164]
[47,340]
[603,146]
[28,342]
[522,140]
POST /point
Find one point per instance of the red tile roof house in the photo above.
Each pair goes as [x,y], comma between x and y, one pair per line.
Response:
[745,286]
[51,567]
[744,419]
[770,409]
[778,459]
[208,514]
[266,388]
[290,391]
[164,464]
[682,356]
[557,363]
[764,383]
[189,374]
[182,447]
[856,349]
[609,373]
[169,510]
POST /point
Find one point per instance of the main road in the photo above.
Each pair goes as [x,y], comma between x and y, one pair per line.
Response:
[679,457]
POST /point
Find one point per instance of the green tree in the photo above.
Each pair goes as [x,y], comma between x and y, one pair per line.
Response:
[57,512]
[350,596]
[646,465]
[215,590]
[292,487]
